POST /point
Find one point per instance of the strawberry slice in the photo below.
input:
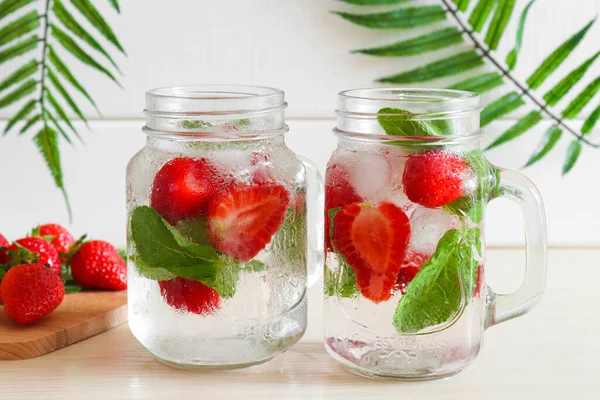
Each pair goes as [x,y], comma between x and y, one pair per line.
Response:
[338,193]
[373,241]
[242,221]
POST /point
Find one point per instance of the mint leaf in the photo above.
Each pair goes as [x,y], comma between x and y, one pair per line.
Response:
[342,281]
[195,230]
[436,293]
[190,124]
[254,266]
[405,124]
[162,252]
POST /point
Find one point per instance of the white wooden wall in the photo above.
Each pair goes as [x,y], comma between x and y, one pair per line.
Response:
[296,45]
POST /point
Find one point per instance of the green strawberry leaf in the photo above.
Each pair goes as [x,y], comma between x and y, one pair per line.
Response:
[442,288]
[72,287]
[163,252]
[405,124]
[123,254]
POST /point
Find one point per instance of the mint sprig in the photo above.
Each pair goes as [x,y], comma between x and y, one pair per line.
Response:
[342,282]
[163,252]
[443,286]
[405,124]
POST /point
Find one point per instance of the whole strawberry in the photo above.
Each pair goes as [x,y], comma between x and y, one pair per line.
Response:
[183,188]
[97,264]
[62,240]
[3,241]
[31,250]
[189,295]
[434,178]
[29,292]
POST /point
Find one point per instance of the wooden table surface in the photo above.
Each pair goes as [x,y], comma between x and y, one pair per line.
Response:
[553,352]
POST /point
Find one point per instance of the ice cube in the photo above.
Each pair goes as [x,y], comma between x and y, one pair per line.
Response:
[427,227]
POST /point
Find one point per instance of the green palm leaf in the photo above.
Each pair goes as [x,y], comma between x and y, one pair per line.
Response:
[22,73]
[499,22]
[511,58]
[115,4]
[49,116]
[19,49]
[71,24]
[577,104]
[462,5]
[374,2]
[481,83]
[573,153]
[504,105]
[61,67]
[19,27]
[61,89]
[521,126]
[20,115]
[87,9]
[555,94]
[547,143]
[481,13]
[402,18]
[422,44]
[26,88]
[557,57]
[30,123]
[9,6]
[453,65]
[47,142]
[590,122]
[59,110]
[69,44]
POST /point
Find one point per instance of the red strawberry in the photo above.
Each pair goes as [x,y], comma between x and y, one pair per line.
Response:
[479,282]
[62,240]
[434,178]
[30,292]
[338,193]
[40,252]
[413,262]
[97,264]
[373,241]
[3,241]
[190,295]
[183,188]
[242,221]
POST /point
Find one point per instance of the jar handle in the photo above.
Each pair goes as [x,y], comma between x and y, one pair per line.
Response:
[518,188]
[315,205]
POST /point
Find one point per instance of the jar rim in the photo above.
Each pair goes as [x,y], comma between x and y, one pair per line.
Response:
[215,99]
[416,101]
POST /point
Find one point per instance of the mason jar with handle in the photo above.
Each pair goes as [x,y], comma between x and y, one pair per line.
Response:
[405,197]
[223,222]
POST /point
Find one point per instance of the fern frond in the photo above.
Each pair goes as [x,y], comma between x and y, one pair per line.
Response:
[521,126]
[87,9]
[422,44]
[62,68]
[499,21]
[115,5]
[8,7]
[555,94]
[577,104]
[481,13]
[449,66]
[20,115]
[557,57]
[402,18]
[20,74]
[590,122]
[18,49]
[573,153]
[26,88]
[549,140]
[480,83]
[511,58]
[500,107]
[19,27]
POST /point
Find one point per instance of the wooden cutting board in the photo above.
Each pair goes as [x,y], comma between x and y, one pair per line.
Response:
[80,316]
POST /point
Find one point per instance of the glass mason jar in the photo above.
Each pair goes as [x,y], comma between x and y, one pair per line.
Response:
[405,197]
[218,238]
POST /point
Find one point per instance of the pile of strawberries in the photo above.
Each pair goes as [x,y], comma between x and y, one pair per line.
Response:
[35,270]
[374,238]
[239,218]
